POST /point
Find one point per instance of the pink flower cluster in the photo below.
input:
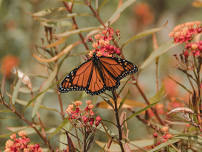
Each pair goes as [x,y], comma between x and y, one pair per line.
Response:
[85,116]
[102,43]
[195,48]
[185,32]
[21,144]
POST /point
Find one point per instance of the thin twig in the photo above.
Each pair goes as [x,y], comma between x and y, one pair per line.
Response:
[155,46]
[95,13]
[183,86]
[117,119]
[69,9]
[148,103]
[60,101]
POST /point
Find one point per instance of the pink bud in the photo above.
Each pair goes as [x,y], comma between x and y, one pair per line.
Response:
[85,119]
[186,53]
[91,121]
[200,47]
[98,118]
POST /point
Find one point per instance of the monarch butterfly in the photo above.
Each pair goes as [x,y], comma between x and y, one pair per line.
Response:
[97,74]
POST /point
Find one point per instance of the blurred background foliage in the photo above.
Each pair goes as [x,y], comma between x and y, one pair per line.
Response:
[19,33]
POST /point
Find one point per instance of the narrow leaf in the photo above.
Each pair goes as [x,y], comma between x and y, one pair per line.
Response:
[64,122]
[123,101]
[27,129]
[68,33]
[143,34]
[161,93]
[16,90]
[159,147]
[156,53]
[45,86]
[24,103]
[127,104]
[115,16]
[48,11]
[141,110]
[102,4]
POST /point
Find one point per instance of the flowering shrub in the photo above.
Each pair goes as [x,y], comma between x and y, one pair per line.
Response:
[157,109]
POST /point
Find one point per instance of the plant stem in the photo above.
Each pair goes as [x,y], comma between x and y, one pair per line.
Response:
[60,102]
[69,9]
[117,119]
[155,46]
[147,102]
[95,13]
[84,140]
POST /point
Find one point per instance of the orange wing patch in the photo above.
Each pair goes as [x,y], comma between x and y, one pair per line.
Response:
[96,82]
[113,66]
[109,80]
[82,75]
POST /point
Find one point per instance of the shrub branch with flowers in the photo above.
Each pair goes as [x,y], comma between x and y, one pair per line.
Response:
[170,119]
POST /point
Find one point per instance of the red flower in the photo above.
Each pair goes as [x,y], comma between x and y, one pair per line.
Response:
[8,63]
[101,43]
[185,32]
[144,13]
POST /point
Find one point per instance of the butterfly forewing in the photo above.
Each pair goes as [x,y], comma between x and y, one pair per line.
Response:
[77,79]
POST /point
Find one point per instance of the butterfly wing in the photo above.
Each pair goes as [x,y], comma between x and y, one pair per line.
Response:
[78,79]
[96,78]
[114,69]
[96,82]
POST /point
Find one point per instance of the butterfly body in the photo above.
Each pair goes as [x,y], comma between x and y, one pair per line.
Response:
[97,74]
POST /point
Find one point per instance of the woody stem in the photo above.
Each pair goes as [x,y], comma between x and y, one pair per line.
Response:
[117,119]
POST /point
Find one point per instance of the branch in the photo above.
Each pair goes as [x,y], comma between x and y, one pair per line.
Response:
[20,116]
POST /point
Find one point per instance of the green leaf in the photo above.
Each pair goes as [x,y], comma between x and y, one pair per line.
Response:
[102,5]
[38,95]
[24,103]
[118,12]
[27,129]
[133,145]
[159,147]
[44,87]
[141,110]
[48,11]
[50,23]
[123,100]
[63,140]
[64,122]
[161,93]
[5,110]
[26,90]
[16,90]
[156,53]
[143,34]
[5,135]
[68,33]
